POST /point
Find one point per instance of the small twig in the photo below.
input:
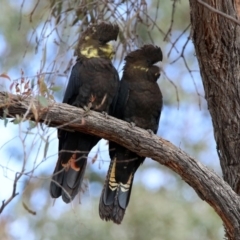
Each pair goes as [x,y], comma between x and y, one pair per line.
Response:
[32,12]
[172,21]
[219,12]
[28,209]
[14,193]
[174,43]
[188,68]
[175,87]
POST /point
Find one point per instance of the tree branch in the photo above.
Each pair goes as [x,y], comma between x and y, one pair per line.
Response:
[208,185]
[14,193]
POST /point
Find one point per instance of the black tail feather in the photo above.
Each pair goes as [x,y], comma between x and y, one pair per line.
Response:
[57,179]
[112,211]
[115,197]
[72,182]
[72,160]
[67,181]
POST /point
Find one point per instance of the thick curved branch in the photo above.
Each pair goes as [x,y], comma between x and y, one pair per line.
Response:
[209,186]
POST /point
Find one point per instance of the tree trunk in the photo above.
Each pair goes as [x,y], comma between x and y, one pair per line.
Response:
[217,43]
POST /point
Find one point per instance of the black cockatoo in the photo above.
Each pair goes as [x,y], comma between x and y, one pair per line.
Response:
[93,84]
[139,102]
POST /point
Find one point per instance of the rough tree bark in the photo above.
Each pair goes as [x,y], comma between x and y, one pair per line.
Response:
[217,44]
[209,186]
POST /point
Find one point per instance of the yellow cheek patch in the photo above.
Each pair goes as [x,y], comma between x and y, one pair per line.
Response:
[107,50]
[89,52]
[93,52]
[141,68]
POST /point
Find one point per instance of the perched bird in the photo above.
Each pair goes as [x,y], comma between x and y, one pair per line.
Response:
[93,84]
[139,102]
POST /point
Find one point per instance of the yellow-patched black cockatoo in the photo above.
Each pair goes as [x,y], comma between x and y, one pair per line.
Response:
[93,84]
[139,102]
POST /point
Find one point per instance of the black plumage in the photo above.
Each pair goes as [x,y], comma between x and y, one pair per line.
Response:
[139,102]
[93,84]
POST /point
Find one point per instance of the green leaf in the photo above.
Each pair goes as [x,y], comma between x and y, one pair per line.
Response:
[44,57]
[28,133]
[43,101]
[46,147]
[5,113]
[32,125]
[56,88]
[5,122]
[17,120]
[32,83]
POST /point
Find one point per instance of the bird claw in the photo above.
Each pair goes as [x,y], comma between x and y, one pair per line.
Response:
[105,114]
[87,109]
[132,124]
[150,132]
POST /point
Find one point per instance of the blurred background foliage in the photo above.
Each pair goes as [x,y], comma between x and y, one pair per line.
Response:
[38,38]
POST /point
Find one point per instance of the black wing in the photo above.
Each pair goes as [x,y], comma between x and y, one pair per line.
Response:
[70,96]
[123,95]
[73,86]
[112,107]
